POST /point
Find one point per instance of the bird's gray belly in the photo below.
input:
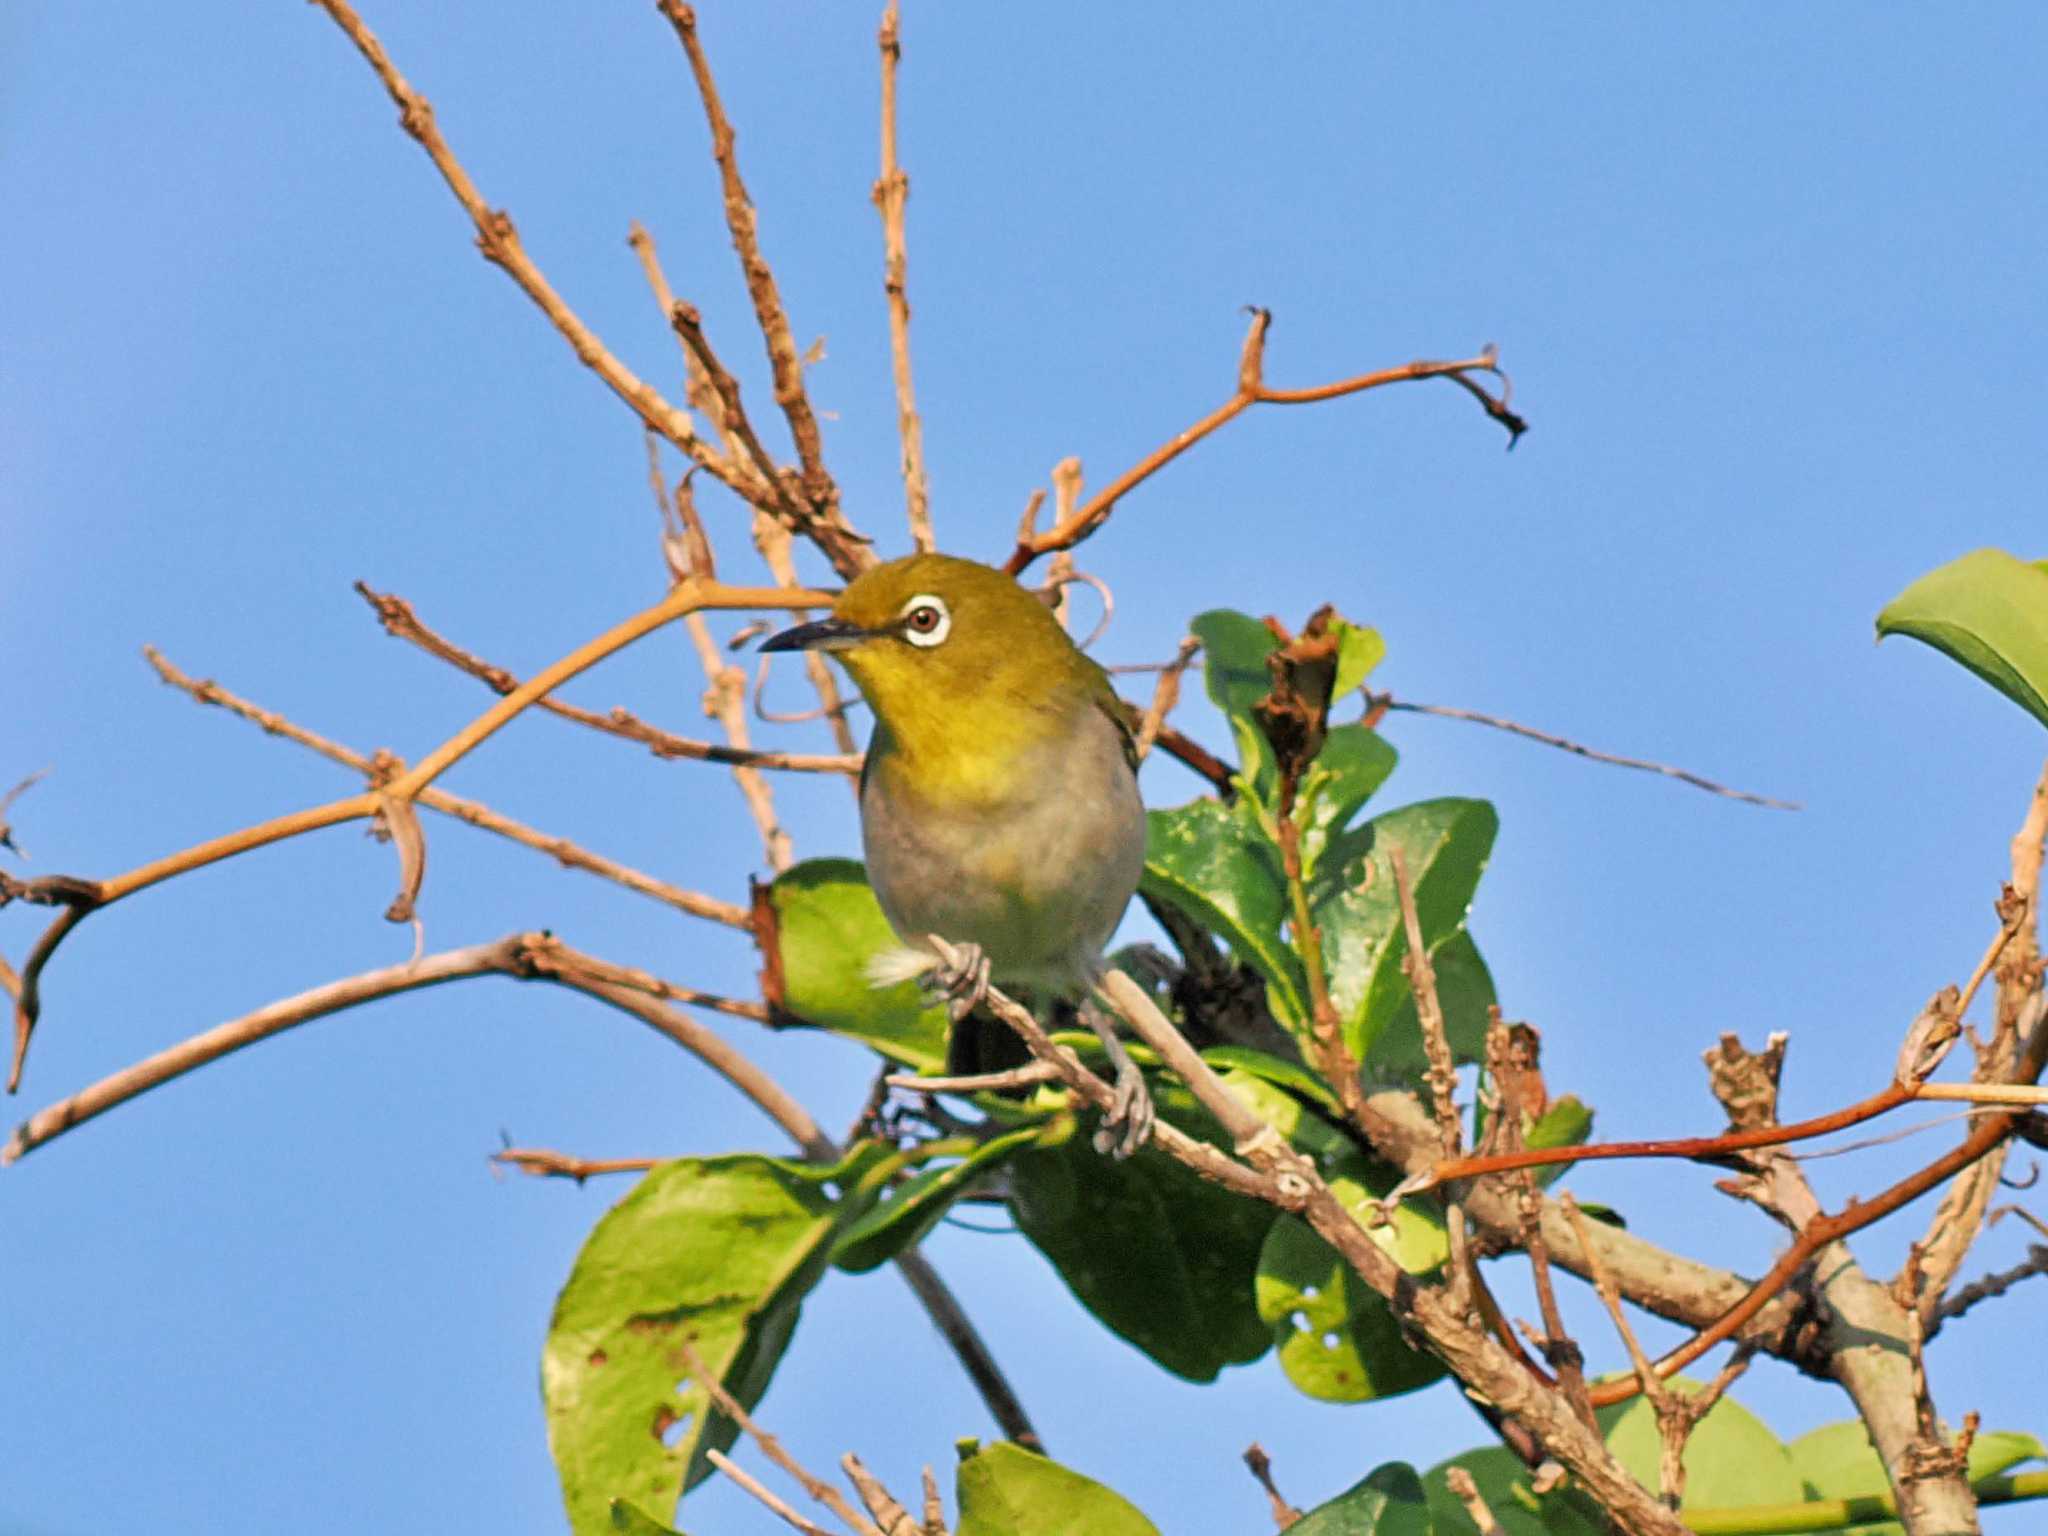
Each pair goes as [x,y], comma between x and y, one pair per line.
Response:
[1039,881]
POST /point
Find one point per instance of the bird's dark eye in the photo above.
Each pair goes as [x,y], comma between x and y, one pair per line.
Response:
[924,620]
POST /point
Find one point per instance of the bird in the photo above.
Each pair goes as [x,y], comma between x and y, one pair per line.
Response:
[999,804]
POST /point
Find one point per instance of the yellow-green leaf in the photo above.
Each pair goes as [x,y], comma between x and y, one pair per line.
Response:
[1988,611]
[829,926]
[1005,1490]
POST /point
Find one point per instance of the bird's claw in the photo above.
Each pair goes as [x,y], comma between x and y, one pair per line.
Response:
[960,978]
[1127,1123]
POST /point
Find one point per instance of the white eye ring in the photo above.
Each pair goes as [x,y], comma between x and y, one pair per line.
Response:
[926,620]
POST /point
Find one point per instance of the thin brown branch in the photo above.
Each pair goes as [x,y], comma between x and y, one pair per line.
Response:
[884,1506]
[523,957]
[1466,1492]
[1165,694]
[761,1494]
[7,802]
[2017,963]
[499,241]
[1090,515]
[545,1163]
[399,619]
[1378,704]
[1261,1467]
[1992,1285]
[1191,754]
[820,1490]
[773,541]
[1030,1075]
[891,192]
[822,520]
[82,896]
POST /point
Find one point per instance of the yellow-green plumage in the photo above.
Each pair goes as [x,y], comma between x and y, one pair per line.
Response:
[999,806]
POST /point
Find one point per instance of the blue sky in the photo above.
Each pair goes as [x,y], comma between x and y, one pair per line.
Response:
[1767,278]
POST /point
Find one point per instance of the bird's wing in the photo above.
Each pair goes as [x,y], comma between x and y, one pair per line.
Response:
[1105,697]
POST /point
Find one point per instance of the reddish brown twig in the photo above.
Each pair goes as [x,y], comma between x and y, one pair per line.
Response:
[1071,529]
[1380,704]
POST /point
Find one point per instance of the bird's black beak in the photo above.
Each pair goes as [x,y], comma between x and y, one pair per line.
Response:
[824,635]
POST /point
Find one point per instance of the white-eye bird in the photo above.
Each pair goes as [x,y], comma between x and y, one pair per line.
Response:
[999,807]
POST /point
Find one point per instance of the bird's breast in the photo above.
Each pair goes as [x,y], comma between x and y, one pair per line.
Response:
[1036,866]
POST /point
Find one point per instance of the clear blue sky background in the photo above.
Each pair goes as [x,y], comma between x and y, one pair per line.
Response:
[1769,281]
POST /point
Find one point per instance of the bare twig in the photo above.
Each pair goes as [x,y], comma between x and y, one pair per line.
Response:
[762,1495]
[1378,704]
[1029,1075]
[499,241]
[820,1490]
[1165,694]
[822,520]
[398,618]
[725,691]
[80,897]
[1466,1491]
[892,191]
[887,1510]
[773,541]
[6,803]
[381,768]
[545,1163]
[1071,528]
[1261,1465]
[1995,1284]
[523,956]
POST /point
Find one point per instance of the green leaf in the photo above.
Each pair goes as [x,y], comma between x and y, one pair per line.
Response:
[1359,650]
[720,1251]
[1504,1483]
[1464,988]
[1389,1502]
[1212,862]
[1354,763]
[1837,1461]
[1164,1259]
[1277,1070]
[830,927]
[1445,844]
[1005,1490]
[907,1215]
[1732,1457]
[1988,611]
[1336,1338]
[1566,1123]
[630,1521]
[1234,651]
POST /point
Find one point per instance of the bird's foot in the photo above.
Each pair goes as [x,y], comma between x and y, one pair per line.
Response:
[960,977]
[1127,1123]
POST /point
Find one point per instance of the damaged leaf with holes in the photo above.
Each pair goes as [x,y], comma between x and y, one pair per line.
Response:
[715,1251]
[1335,1337]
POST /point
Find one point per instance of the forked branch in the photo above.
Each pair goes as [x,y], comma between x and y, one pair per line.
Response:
[1072,527]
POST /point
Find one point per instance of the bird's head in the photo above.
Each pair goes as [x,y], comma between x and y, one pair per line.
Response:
[947,647]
